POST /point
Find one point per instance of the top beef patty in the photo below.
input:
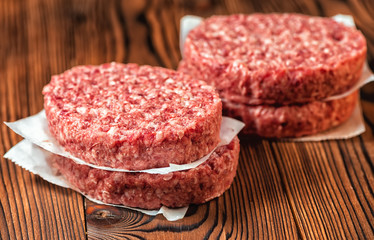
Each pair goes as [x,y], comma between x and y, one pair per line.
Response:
[132,117]
[274,58]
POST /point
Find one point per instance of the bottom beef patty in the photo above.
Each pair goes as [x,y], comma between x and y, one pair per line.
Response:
[291,120]
[151,191]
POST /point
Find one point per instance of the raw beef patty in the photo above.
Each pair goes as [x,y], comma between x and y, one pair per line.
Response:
[292,120]
[274,58]
[132,117]
[151,191]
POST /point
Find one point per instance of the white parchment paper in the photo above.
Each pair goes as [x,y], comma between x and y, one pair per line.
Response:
[39,134]
[353,127]
[33,153]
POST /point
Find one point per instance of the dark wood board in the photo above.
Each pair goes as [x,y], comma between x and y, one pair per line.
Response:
[289,190]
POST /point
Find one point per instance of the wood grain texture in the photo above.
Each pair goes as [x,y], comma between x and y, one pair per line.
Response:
[283,190]
[30,207]
[327,188]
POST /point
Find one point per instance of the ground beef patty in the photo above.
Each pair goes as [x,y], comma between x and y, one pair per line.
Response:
[292,120]
[132,117]
[274,58]
[150,191]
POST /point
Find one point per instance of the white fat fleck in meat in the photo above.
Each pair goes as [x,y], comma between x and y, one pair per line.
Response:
[169,81]
[159,135]
[112,131]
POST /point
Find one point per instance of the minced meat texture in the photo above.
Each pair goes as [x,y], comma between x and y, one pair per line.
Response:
[274,58]
[151,191]
[292,120]
[130,116]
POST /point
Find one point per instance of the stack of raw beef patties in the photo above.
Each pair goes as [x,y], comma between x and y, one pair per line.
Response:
[276,72]
[118,117]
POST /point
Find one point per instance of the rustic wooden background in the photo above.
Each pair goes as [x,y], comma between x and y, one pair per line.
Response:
[283,189]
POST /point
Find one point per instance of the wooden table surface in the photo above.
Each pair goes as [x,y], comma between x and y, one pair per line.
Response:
[313,190]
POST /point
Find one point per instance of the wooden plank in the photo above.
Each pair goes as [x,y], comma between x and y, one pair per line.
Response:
[283,189]
[329,186]
[30,207]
